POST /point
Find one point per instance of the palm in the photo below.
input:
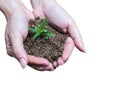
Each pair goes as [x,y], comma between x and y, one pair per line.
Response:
[58,17]
[16,29]
[16,32]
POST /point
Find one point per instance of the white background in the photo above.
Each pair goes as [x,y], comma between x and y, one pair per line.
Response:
[99,23]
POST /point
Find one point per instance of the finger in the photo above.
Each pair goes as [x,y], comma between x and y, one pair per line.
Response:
[39,63]
[37,60]
[69,45]
[10,51]
[50,67]
[41,68]
[60,61]
[75,34]
[37,8]
[36,3]
[55,64]
[9,47]
[18,48]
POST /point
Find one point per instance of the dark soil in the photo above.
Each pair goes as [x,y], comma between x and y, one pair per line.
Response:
[50,48]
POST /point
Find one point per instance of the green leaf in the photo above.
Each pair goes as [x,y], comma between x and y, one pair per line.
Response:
[43,23]
[36,34]
[39,30]
[49,34]
[45,30]
[33,29]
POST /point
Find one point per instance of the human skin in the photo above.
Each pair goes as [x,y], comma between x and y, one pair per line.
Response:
[57,16]
[17,16]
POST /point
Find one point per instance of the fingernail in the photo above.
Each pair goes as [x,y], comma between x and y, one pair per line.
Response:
[23,62]
[83,47]
[50,68]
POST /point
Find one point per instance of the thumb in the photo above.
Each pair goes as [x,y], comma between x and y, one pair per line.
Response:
[37,8]
[75,34]
[18,48]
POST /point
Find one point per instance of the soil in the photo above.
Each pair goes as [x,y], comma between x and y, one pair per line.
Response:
[50,48]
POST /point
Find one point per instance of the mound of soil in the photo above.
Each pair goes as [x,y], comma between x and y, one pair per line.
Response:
[50,48]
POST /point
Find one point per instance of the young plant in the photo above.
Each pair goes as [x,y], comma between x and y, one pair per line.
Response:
[40,30]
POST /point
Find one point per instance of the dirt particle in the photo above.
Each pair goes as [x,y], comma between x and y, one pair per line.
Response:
[50,48]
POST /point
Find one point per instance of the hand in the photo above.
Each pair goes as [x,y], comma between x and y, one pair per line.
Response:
[16,32]
[57,16]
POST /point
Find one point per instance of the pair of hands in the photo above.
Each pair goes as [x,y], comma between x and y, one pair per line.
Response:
[17,30]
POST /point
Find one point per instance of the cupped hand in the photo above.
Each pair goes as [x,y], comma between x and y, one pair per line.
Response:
[57,16]
[16,32]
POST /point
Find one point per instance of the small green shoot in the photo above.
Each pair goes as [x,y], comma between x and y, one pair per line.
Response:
[40,30]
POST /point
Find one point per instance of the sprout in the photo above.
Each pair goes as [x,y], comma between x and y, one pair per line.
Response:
[40,30]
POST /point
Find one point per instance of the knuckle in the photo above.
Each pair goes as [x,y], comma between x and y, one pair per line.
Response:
[10,52]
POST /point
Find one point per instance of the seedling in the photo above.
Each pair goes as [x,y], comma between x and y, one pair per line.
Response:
[40,30]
